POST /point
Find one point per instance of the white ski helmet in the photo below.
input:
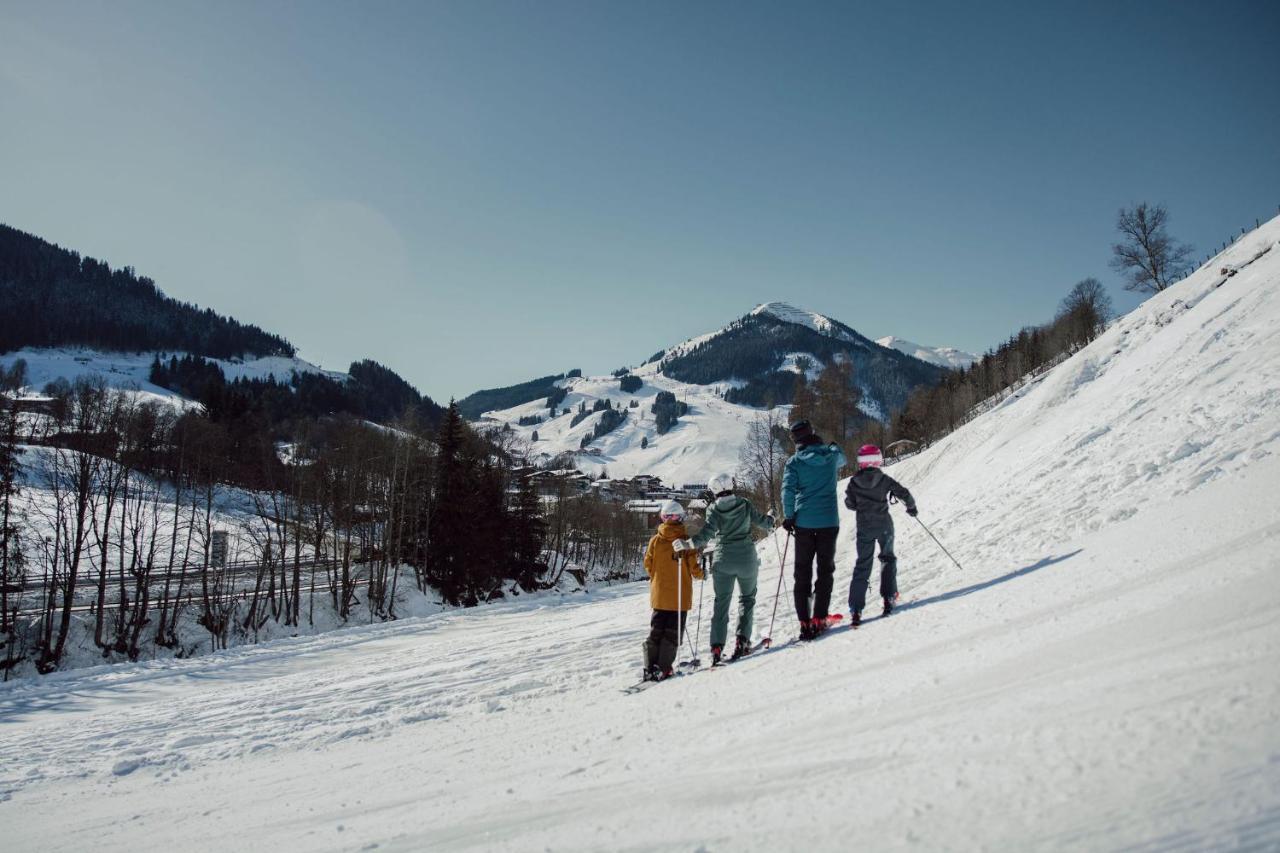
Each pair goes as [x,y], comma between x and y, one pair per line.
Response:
[671,511]
[721,483]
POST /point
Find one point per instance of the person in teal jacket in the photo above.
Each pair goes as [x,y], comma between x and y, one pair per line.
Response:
[810,514]
[729,522]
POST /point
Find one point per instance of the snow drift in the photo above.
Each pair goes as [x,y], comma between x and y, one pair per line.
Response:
[1101,674]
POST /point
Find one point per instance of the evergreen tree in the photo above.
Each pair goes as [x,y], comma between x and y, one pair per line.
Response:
[445,560]
[528,534]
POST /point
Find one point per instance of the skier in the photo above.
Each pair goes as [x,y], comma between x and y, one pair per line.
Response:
[730,518]
[810,514]
[868,496]
[671,565]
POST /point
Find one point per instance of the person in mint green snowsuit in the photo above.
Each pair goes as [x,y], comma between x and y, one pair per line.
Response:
[729,522]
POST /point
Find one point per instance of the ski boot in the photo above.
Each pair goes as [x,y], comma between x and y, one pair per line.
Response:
[652,673]
[818,625]
[889,604]
[806,629]
[716,653]
[742,648]
[855,618]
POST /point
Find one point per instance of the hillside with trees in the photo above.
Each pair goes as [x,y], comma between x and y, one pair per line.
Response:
[53,297]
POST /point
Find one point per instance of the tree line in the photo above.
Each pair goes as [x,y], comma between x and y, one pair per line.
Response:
[54,297]
[116,532]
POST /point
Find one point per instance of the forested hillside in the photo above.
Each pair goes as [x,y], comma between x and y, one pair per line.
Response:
[50,297]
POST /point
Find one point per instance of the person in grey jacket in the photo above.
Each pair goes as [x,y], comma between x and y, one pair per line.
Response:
[868,495]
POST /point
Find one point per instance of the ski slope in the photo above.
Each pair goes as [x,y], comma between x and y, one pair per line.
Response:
[1101,674]
[703,442]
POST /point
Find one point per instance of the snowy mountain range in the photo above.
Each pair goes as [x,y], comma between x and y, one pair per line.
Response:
[948,357]
[1097,672]
[725,378]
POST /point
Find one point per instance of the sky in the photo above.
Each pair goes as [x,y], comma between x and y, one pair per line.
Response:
[477,193]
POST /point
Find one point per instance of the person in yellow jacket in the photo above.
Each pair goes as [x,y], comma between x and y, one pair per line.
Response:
[671,567]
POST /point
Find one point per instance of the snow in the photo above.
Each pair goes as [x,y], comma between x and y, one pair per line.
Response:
[948,357]
[703,441]
[790,314]
[1101,674]
[130,370]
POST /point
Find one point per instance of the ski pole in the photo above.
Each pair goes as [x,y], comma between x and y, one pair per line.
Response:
[702,585]
[782,570]
[939,544]
[693,647]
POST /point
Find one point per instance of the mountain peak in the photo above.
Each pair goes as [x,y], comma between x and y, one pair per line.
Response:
[790,314]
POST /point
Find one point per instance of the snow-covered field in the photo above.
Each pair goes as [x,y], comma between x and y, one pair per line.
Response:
[1101,675]
[703,442]
[132,369]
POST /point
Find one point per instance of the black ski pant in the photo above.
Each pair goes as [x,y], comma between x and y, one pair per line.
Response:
[814,543]
[867,539]
[664,639]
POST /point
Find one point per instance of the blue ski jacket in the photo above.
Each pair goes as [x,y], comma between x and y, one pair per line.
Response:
[809,485]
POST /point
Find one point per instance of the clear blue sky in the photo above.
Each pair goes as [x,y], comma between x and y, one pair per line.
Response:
[477,193]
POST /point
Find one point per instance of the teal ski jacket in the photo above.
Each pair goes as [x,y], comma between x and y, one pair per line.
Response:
[809,485]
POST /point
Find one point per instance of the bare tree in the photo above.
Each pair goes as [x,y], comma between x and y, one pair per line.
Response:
[1086,309]
[763,457]
[1146,254]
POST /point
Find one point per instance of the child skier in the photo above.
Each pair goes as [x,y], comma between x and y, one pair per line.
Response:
[868,496]
[729,521]
[672,564]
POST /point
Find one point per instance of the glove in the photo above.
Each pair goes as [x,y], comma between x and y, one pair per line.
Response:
[912,511]
[680,546]
[789,525]
[768,520]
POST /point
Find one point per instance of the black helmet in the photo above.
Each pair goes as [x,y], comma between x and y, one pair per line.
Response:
[801,430]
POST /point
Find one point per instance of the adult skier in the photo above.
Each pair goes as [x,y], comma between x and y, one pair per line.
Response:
[671,566]
[730,518]
[868,496]
[811,515]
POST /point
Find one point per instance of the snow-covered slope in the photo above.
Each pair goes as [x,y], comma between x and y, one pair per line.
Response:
[1101,674]
[131,369]
[948,357]
[703,442]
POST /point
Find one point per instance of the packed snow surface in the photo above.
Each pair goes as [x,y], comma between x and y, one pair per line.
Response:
[1100,675]
[948,357]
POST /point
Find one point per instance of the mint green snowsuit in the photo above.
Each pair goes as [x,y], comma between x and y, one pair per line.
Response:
[729,522]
